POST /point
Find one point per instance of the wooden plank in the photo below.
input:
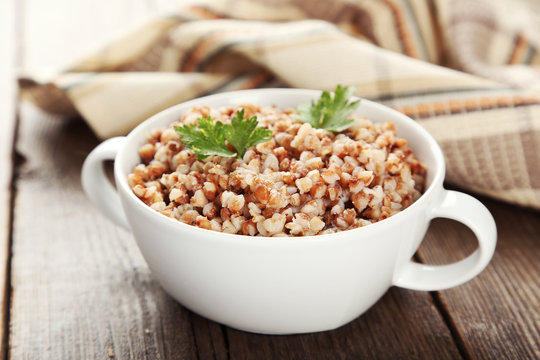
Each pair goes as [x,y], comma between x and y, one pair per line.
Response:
[210,338]
[7,130]
[80,286]
[497,314]
[402,325]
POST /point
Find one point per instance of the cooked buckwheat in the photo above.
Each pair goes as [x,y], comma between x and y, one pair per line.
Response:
[304,181]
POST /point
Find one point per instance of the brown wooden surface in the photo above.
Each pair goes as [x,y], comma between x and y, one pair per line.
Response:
[402,325]
[80,286]
[497,314]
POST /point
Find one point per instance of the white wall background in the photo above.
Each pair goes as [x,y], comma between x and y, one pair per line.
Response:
[56,33]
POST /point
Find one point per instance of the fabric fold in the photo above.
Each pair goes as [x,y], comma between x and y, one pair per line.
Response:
[465,71]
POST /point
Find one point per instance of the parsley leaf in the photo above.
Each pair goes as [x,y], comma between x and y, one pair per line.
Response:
[209,138]
[330,113]
[206,139]
[244,133]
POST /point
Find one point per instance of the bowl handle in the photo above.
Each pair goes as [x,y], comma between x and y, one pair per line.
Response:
[471,212]
[97,186]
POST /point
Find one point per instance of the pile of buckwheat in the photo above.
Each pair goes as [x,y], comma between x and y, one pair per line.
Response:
[304,181]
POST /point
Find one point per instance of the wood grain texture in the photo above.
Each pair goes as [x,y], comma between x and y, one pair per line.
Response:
[80,285]
[7,130]
[402,325]
[497,314]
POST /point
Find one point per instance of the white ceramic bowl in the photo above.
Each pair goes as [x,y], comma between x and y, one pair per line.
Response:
[289,285]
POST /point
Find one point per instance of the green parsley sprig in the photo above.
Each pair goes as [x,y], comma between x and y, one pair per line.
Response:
[208,138]
[244,133]
[212,138]
[330,112]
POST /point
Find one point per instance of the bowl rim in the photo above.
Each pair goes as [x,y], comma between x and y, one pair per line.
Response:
[142,129]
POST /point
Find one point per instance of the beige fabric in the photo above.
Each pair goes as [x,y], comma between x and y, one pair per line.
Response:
[467,70]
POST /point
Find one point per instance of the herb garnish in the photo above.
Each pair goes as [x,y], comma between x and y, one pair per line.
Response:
[244,133]
[209,138]
[330,112]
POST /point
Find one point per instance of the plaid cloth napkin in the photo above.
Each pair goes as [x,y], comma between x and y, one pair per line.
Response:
[467,70]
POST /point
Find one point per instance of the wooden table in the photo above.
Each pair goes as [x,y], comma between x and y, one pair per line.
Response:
[74,286]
